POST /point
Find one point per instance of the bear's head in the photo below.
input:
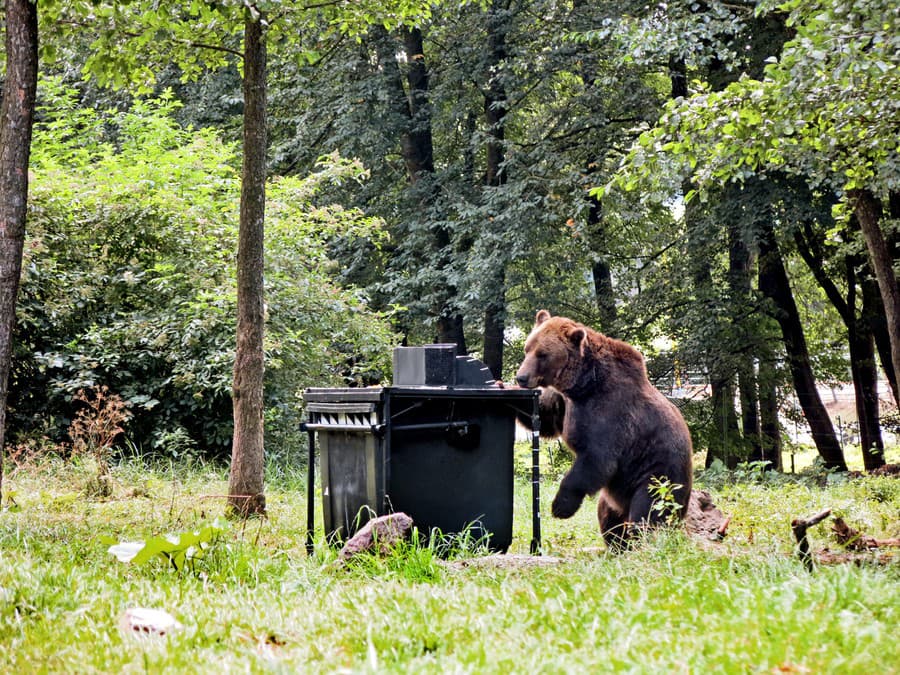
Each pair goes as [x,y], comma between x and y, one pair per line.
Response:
[553,352]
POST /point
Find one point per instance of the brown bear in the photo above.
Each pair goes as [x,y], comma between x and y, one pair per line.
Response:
[623,432]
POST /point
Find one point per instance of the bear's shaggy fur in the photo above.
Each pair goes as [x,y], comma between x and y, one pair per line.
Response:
[623,432]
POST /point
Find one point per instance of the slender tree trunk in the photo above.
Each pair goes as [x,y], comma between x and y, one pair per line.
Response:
[601,271]
[865,379]
[868,212]
[739,286]
[883,347]
[418,144]
[495,117]
[725,441]
[774,284]
[879,323]
[770,427]
[450,331]
[246,489]
[596,228]
[16,121]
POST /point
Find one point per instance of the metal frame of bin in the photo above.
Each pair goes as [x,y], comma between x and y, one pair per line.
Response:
[355,415]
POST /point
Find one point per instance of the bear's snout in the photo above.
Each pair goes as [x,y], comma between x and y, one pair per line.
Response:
[523,380]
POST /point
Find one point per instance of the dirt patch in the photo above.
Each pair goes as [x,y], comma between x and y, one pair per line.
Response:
[506,561]
[829,557]
[703,518]
[892,470]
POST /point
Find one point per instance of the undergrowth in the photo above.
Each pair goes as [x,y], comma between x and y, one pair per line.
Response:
[255,602]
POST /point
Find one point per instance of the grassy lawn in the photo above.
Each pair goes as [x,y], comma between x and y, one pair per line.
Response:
[257,603]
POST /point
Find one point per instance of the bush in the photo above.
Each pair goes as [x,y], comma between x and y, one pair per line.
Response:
[128,280]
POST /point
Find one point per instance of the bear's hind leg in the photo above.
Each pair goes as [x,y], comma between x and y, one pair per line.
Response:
[613,525]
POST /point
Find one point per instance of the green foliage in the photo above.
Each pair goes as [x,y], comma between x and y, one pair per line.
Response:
[664,501]
[826,108]
[182,550]
[133,42]
[129,279]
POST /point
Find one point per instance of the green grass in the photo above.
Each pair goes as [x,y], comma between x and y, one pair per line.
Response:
[257,603]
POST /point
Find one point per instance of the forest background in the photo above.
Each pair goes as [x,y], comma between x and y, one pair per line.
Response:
[702,179]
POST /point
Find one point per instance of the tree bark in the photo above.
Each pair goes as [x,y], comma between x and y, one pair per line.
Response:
[418,144]
[865,379]
[883,346]
[495,176]
[739,286]
[725,442]
[601,271]
[868,212]
[246,490]
[411,104]
[770,427]
[860,337]
[16,122]
[450,331]
[774,284]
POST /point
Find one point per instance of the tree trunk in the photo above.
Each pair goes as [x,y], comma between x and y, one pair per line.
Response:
[770,428]
[495,176]
[865,380]
[773,283]
[739,285]
[16,121]
[860,336]
[494,325]
[450,331]
[725,441]
[417,147]
[596,232]
[601,271]
[868,212]
[246,490]
[883,346]
[879,323]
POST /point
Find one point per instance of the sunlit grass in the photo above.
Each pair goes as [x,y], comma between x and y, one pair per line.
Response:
[257,603]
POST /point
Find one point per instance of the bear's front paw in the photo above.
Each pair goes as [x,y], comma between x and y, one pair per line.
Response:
[566,503]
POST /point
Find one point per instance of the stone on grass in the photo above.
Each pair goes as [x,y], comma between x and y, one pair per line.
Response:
[378,536]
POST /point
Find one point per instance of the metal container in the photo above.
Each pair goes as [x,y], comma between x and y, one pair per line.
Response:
[436,445]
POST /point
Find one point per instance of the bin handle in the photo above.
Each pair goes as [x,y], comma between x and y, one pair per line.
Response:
[445,426]
[377,429]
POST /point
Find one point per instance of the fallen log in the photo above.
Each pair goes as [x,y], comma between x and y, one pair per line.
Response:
[855,540]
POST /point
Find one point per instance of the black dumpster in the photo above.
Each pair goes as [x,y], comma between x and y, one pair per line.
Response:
[436,445]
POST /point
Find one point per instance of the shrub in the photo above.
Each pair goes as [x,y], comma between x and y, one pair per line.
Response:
[129,274]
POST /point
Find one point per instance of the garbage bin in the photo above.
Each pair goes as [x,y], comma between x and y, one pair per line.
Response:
[437,445]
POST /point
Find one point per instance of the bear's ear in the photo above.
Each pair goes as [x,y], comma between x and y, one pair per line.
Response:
[578,336]
[541,317]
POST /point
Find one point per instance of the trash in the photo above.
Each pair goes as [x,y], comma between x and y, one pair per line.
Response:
[144,622]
